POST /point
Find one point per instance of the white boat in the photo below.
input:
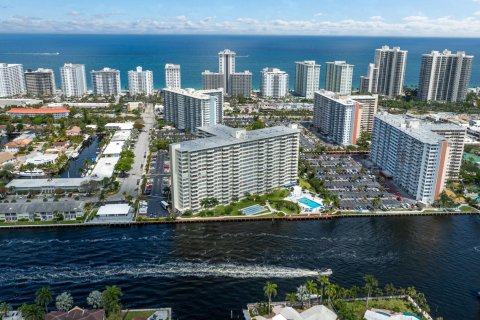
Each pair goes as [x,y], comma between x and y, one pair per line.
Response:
[32,173]
[325,272]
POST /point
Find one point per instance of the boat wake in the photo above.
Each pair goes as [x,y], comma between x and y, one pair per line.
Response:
[34,53]
[148,270]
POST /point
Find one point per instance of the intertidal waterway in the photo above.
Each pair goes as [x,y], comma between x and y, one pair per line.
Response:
[203,271]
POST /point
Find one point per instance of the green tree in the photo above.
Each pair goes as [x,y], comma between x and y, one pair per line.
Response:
[389,289]
[312,289]
[64,301]
[324,281]
[32,312]
[370,284]
[270,289]
[291,297]
[4,309]
[94,299]
[43,297]
[111,300]
[331,291]
[302,294]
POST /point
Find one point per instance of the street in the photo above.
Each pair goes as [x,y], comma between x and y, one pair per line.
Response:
[157,173]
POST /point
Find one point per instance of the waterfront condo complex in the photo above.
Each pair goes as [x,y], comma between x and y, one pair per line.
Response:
[189,109]
[307,78]
[339,77]
[140,82]
[387,74]
[11,80]
[74,81]
[343,118]
[40,82]
[173,79]
[274,83]
[106,82]
[230,162]
[444,76]
[420,156]
[233,83]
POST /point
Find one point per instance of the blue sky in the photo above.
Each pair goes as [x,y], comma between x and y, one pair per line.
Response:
[306,17]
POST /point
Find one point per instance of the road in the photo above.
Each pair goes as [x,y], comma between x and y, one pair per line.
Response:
[131,184]
[154,199]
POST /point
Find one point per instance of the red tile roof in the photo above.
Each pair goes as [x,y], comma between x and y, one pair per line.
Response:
[38,111]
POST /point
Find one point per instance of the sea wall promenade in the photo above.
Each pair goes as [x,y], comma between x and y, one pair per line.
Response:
[302,217]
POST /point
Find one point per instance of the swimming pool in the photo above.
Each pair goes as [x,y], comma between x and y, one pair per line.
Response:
[309,203]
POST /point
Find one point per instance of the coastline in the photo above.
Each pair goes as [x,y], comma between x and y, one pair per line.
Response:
[240,219]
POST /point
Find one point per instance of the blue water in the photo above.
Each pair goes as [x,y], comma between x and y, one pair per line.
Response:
[308,202]
[197,53]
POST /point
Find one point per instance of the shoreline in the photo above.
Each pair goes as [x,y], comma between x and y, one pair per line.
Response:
[238,219]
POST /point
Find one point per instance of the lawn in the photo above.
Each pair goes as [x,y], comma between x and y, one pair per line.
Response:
[305,185]
[140,314]
[357,308]
[35,223]
[467,209]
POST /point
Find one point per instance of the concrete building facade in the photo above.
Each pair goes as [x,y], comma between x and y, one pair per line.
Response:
[189,109]
[40,82]
[241,84]
[338,77]
[307,78]
[212,80]
[274,83]
[106,82]
[444,76]
[140,82]
[421,157]
[74,81]
[231,162]
[173,78]
[12,82]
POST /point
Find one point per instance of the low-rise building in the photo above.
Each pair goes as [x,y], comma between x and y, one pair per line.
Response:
[382,314]
[104,167]
[47,185]
[77,314]
[114,148]
[121,135]
[133,106]
[119,126]
[40,159]
[57,113]
[19,102]
[45,211]
[17,144]
[73,131]
[114,210]
[6,158]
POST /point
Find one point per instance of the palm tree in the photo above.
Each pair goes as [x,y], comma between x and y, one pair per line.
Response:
[331,293]
[291,297]
[324,281]
[370,284]
[205,202]
[312,289]
[270,289]
[44,297]
[4,309]
[32,312]
[389,289]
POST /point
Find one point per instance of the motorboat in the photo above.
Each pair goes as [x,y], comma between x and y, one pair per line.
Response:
[325,272]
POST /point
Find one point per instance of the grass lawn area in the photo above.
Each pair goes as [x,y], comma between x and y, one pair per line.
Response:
[467,209]
[33,223]
[142,314]
[305,185]
[398,305]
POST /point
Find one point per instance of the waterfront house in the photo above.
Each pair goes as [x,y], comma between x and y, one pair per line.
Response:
[17,144]
[77,313]
[73,131]
[45,211]
[314,313]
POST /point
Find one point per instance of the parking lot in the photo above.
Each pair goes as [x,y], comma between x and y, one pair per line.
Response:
[158,175]
[356,186]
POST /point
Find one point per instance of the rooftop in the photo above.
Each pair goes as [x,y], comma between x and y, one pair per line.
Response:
[32,207]
[114,209]
[225,136]
[121,135]
[38,111]
[114,147]
[189,92]
[104,167]
[46,183]
[119,125]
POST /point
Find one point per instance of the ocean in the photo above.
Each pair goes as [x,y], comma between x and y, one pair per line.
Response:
[196,53]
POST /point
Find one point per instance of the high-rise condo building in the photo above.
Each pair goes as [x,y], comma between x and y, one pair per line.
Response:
[231,162]
[212,80]
[339,77]
[226,77]
[387,74]
[189,109]
[173,78]
[342,118]
[226,66]
[74,81]
[337,117]
[12,82]
[444,76]
[106,82]
[274,83]
[241,84]
[421,157]
[40,82]
[307,78]
[140,82]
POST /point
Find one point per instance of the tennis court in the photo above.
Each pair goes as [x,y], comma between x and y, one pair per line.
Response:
[248,211]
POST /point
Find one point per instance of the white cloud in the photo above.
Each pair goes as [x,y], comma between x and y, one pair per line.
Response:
[415,25]
[477,13]
[318,14]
